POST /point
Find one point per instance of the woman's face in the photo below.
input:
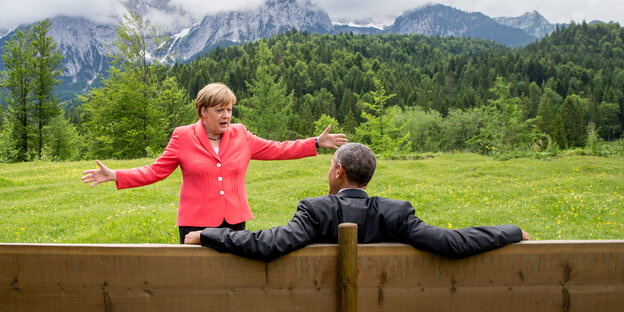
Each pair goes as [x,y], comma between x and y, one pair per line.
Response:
[216,119]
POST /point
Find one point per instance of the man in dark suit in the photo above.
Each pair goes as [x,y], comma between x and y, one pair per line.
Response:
[378,219]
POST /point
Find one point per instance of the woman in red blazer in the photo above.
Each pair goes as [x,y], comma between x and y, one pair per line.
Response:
[213,156]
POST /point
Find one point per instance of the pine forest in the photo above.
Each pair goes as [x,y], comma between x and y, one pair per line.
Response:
[403,95]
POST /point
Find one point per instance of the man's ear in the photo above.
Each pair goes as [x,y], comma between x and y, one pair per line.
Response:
[340,172]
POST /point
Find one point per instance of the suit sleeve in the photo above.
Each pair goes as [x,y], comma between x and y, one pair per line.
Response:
[166,163]
[454,243]
[262,149]
[264,245]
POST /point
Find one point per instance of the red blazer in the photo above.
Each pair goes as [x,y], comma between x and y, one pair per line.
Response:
[213,186]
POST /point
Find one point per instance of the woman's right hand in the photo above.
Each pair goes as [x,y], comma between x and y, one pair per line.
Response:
[97,176]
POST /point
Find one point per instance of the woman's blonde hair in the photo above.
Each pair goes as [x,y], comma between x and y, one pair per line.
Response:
[214,94]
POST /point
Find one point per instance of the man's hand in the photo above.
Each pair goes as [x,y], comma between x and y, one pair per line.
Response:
[525,235]
[193,238]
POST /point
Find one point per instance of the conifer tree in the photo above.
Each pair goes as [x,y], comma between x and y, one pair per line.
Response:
[546,121]
[46,73]
[534,96]
[173,103]
[610,128]
[267,111]
[62,140]
[121,118]
[378,130]
[573,123]
[302,122]
[17,80]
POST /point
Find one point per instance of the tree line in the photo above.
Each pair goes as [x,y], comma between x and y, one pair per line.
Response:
[446,94]
[400,94]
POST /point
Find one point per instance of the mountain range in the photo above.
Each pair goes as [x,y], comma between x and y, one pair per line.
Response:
[85,44]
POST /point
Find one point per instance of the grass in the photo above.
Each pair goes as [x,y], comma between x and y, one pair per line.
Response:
[572,197]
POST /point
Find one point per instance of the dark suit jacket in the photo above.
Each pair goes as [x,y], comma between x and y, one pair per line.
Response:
[378,219]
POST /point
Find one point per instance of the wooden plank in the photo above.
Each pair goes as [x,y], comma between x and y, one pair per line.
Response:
[125,266]
[535,263]
[171,299]
[493,298]
[465,299]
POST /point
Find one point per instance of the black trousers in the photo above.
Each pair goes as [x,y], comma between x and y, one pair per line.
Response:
[187,229]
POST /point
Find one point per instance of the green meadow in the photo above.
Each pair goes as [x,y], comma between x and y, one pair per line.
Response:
[571,197]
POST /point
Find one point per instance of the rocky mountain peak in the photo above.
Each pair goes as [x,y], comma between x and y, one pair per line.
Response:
[441,20]
[227,28]
[533,23]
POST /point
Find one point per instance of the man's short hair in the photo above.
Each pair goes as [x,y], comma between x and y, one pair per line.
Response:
[358,162]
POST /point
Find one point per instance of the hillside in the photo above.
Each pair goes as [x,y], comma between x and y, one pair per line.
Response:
[438,74]
[400,94]
[85,44]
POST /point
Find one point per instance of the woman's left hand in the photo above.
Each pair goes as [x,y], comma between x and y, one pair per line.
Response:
[331,140]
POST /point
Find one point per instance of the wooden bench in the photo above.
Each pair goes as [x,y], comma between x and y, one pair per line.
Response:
[527,276]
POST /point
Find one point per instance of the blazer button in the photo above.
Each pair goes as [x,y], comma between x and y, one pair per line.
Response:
[219,165]
[221,193]
[220,179]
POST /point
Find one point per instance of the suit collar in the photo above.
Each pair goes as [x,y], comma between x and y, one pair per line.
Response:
[352,192]
[225,140]
[200,132]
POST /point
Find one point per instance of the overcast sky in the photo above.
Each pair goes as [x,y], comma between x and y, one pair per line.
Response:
[15,12]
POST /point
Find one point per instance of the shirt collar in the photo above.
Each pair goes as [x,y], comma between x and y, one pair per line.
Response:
[352,192]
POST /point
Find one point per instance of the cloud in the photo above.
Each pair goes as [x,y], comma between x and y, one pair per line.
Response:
[556,11]
[16,12]
[200,8]
[366,9]
[183,13]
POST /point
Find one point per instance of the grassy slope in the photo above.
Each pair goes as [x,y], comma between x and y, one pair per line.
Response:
[565,198]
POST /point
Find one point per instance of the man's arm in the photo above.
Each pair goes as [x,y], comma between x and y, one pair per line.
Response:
[264,245]
[455,243]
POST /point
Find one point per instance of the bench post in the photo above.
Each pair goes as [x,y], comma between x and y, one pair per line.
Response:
[347,267]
